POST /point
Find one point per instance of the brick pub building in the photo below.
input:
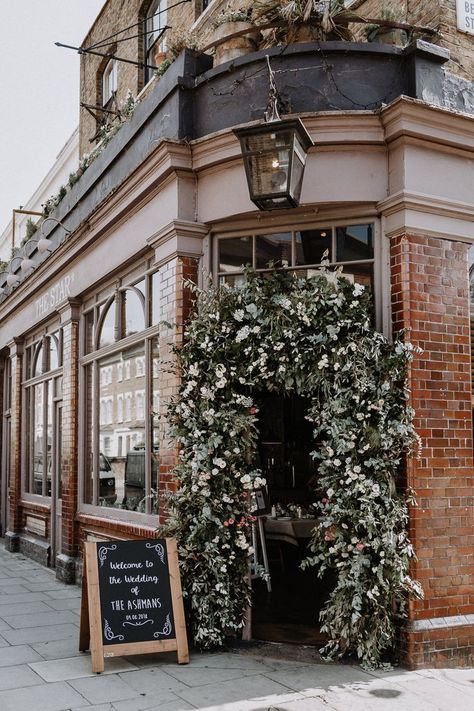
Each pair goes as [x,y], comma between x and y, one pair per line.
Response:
[387,188]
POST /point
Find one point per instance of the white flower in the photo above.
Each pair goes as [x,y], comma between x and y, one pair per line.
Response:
[221,383]
[219,462]
[242,334]
[358,289]
[337,462]
[239,315]
[245,479]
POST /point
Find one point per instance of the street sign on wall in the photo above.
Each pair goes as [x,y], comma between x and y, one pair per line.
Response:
[465,15]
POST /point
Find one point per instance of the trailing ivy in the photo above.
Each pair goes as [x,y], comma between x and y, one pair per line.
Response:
[312,337]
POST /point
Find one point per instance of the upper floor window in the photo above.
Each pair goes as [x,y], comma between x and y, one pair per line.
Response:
[109,81]
[155,46]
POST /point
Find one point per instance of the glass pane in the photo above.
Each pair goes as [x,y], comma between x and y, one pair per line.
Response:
[107,332]
[155,409]
[311,245]
[274,248]
[38,438]
[49,435]
[89,332]
[38,364]
[354,242]
[134,313]
[234,280]
[53,351]
[234,254]
[155,298]
[296,176]
[59,444]
[122,413]
[88,454]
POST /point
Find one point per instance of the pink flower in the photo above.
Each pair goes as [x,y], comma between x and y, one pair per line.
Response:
[329,536]
[360,546]
[231,521]
[253,410]
[226,523]
[325,501]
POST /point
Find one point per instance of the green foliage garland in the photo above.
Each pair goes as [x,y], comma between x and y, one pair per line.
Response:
[312,337]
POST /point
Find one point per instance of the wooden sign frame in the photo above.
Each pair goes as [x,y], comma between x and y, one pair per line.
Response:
[90,635]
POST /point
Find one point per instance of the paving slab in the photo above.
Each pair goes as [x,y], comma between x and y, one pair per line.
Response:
[43,586]
[103,689]
[17,677]
[21,598]
[45,619]
[63,592]
[68,603]
[47,697]
[316,679]
[21,654]
[30,635]
[153,681]
[59,648]
[157,705]
[246,693]
[24,608]
[77,667]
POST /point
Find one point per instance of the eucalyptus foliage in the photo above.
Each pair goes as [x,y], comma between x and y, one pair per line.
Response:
[311,336]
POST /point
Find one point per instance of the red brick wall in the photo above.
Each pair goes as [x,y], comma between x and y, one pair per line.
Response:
[69,436]
[176,302]
[14,521]
[430,296]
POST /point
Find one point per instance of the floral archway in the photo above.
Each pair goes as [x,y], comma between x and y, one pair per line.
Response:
[310,336]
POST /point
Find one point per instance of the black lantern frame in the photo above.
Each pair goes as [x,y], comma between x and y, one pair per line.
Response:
[274,156]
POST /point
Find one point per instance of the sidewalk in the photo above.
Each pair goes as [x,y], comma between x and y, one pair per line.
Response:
[41,669]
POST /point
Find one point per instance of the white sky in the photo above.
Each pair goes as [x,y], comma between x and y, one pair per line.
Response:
[39,90]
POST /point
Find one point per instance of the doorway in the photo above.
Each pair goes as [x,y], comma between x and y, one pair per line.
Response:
[289,612]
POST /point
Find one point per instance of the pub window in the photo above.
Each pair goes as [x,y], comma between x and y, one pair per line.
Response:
[120,466]
[42,394]
[349,246]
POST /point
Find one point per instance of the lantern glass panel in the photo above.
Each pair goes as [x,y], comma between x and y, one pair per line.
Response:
[275,248]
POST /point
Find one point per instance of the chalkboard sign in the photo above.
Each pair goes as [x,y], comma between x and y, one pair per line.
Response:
[132,600]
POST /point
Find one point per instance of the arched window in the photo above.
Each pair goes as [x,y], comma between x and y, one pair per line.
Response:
[109,81]
[119,345]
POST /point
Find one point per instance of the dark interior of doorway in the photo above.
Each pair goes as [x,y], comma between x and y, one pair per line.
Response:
[290,612]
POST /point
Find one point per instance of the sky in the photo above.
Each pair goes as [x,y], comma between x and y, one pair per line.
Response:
[39,90]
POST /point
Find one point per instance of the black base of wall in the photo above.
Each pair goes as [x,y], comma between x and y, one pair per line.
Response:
[66,569]
[12,541]
[34,548]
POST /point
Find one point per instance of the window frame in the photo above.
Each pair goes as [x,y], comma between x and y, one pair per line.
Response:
[380,261]
[149,32]
[49,379]
[109,81]
[92,359]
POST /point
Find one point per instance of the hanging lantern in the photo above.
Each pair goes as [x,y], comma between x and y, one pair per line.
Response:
[274,156]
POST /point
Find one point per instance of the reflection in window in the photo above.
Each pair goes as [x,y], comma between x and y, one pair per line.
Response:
[234,254]
[107,330]
[118,438]
[354,242]
[134,313]
[312,244]
[43,415]
[274,249]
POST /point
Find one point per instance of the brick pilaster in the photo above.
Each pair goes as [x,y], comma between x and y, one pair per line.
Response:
[430,296]
[65,560]
[14,483]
